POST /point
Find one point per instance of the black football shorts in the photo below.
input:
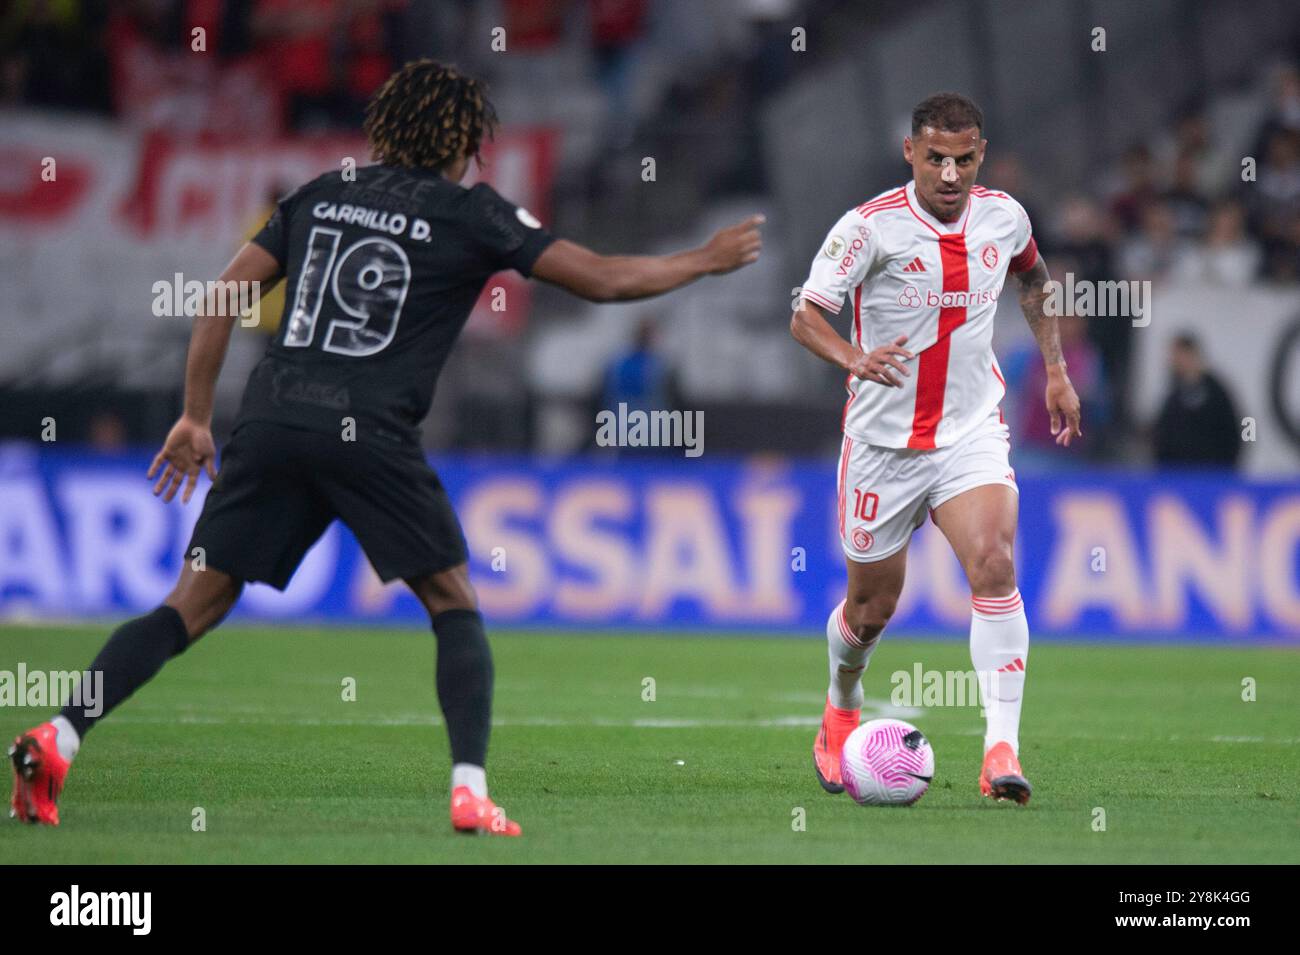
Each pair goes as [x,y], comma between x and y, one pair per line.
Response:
[279,488]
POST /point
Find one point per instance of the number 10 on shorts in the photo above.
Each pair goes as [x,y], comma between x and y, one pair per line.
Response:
[865,504]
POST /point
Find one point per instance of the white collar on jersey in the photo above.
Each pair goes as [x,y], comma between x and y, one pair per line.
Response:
[931,221]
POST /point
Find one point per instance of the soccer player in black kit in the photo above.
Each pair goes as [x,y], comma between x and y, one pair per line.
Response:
[382,270]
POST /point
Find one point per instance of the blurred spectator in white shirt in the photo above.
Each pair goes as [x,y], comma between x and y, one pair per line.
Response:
[1227,256]
[1151,254]
[1214,163]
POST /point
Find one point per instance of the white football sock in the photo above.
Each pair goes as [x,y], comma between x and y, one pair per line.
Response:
[999,649]
[66,739]
[849,657]
[467,774]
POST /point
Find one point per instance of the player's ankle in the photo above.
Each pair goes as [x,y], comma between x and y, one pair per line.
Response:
[66,738]
[471,776]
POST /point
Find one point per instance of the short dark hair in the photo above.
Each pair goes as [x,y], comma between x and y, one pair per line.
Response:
[426,115]
[949,112]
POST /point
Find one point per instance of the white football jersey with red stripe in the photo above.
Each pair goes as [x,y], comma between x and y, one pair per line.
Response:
[903,272]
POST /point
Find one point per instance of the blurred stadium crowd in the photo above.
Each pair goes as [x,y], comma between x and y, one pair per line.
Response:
[696,86]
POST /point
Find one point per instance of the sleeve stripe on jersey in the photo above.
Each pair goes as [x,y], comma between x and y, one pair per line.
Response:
[891,197]
[900,204]
[868,211]
[1024,260]
[818,299]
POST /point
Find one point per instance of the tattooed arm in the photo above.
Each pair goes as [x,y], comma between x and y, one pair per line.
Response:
[1062,402]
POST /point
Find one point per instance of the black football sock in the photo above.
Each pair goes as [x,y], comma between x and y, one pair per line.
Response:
[464,679]
[134,653]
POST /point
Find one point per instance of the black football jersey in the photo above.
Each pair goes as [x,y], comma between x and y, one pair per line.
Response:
[381,274]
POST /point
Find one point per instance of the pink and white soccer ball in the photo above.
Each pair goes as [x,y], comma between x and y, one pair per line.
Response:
[886,763]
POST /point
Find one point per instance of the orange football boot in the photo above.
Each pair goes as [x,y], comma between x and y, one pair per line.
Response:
[837,724]
[477,815]
[39,772]
[1001,777]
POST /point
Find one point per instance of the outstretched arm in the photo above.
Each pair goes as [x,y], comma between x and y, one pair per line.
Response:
[1061,400]
[189,447]
[620,278]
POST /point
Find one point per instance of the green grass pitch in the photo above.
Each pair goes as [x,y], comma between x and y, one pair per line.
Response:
[251,726]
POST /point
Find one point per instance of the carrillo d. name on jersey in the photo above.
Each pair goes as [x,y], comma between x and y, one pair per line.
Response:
[381,274]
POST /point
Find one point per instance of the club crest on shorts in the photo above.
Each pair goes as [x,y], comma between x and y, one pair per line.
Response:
[862,538]
[989,256]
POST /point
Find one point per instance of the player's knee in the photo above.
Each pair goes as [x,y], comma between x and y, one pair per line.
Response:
[203,602]
[868,616]
[993,572]
[445,590]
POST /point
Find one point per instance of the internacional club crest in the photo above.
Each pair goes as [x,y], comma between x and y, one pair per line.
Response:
[989,256]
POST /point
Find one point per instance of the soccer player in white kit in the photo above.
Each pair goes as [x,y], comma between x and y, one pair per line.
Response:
[922,266]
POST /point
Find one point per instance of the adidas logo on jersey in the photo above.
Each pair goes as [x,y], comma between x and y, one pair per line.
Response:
[916,265]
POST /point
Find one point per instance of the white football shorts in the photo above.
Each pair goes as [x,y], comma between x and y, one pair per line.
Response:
[885,493]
